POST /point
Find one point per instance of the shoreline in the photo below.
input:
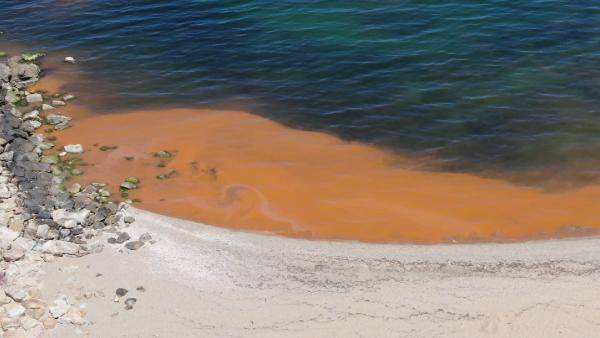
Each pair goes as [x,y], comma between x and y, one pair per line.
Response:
[222,282]
[225,168]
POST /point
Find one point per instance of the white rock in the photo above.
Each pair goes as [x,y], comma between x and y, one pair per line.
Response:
[72,316]
[69,97]
[29,323]
[59,248]
[14,310]
[25,243]
[60,215]
[34,114]
[69,224]
[58,103]
[74,148]
[59,307]
[46,106]
[17,293]
[70,59]
[8,234]
[34,98]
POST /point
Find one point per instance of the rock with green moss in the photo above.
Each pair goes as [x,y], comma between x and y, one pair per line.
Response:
[133,180]
[103,193]
[76,172]
[32,57]
[50,159]
[3,54]
[127,186]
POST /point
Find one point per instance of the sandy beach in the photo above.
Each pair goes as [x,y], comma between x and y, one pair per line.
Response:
[206,281]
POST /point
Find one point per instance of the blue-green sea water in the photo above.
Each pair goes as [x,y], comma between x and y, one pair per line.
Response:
[498,87]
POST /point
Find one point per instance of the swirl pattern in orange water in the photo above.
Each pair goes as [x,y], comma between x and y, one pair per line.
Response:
[238,170]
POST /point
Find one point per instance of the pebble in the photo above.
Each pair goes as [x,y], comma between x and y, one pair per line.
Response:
[46,106]
[122,238]
[129,303]
[145,237]
[58,103]
[68,97]
[121,292]
[74,148]
[141,289]
[134,245]
[70,59]
[128,219]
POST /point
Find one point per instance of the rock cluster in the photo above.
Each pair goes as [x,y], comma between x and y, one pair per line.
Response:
[40,217]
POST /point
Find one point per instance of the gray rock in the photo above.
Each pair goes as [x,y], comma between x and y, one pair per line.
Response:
[129,303]
[145,237]
[46,106]
[25,71]
[5,72]
[58,103]
[134,245]
[121,292]
[56,119]
[128,219]
[123,237]
[42,231]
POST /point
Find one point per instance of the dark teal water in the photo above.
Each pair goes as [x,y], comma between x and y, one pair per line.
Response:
[508,87]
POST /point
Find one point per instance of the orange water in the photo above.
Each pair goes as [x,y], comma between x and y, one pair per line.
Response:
[238,170]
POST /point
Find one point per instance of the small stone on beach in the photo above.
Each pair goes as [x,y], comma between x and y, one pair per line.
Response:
[134,245]
[121,292]
[129,303]
[70,59]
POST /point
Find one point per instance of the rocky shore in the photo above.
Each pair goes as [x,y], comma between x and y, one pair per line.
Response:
[42,216]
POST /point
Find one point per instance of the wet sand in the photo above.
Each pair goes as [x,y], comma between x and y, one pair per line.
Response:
[202,281]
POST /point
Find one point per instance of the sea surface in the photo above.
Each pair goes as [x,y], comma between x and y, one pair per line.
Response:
[501,88]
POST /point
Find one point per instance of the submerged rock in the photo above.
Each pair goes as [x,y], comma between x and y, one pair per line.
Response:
[55,119]
[34,98]
[74,148]
[70,59]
